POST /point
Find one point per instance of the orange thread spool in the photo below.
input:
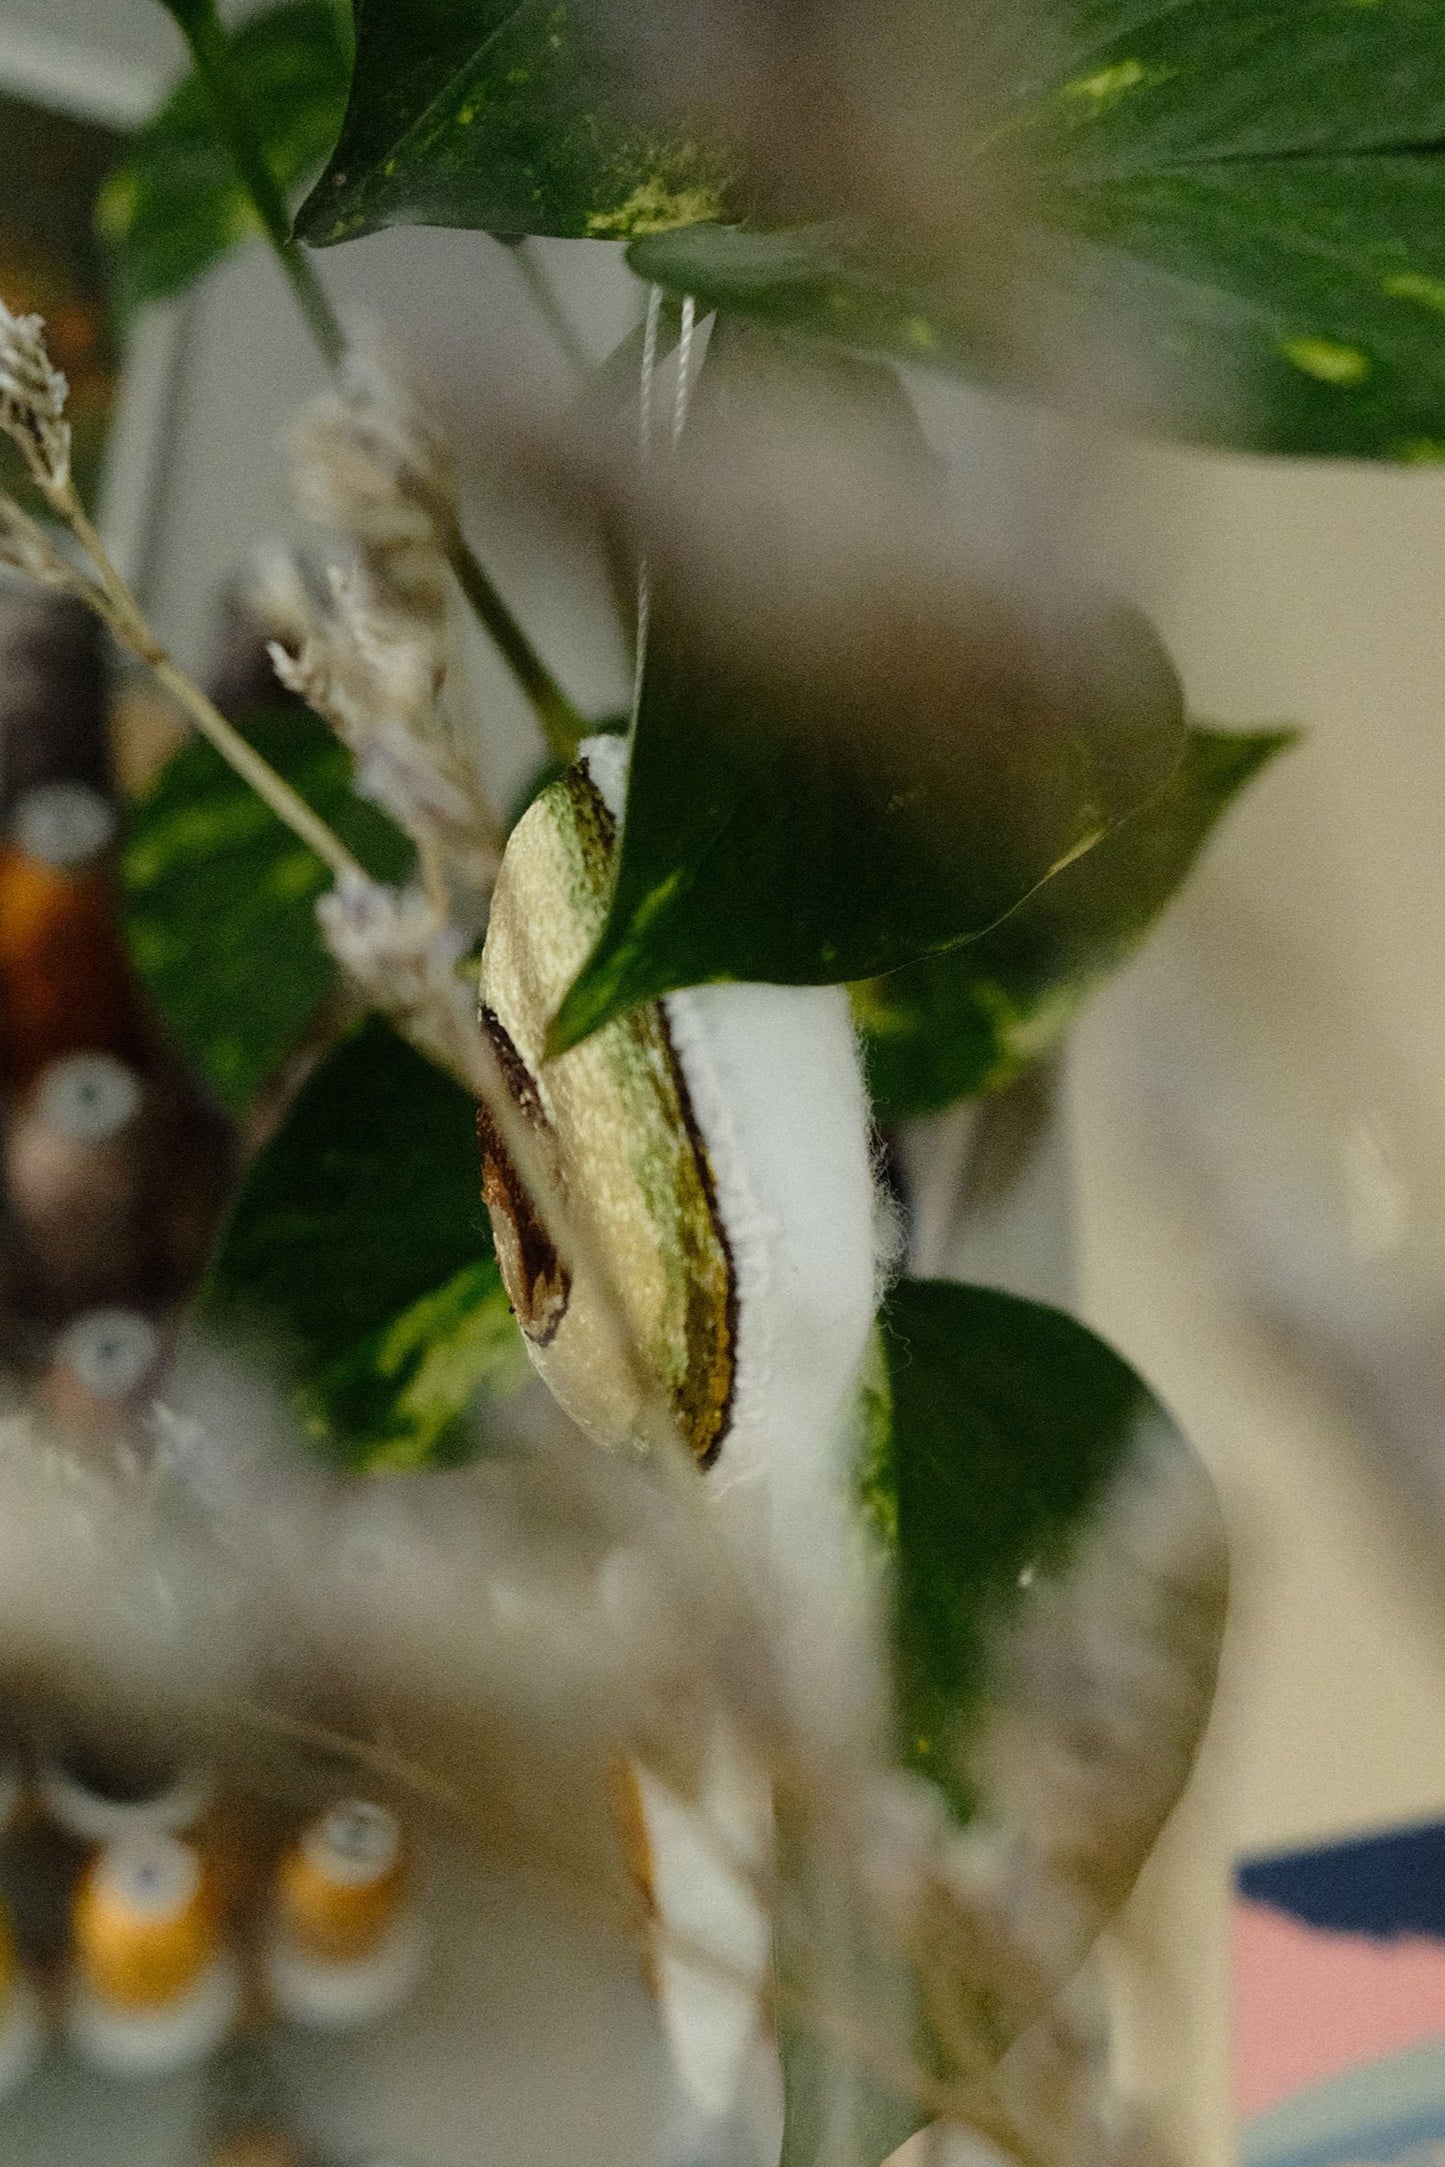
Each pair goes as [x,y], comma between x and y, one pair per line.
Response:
[341,1884]
[65,980]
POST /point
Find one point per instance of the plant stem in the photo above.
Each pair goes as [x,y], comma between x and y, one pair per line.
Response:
[211,52]
[127,620]
[561,723]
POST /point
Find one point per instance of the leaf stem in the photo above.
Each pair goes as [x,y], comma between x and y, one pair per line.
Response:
[561,723]
[210,49]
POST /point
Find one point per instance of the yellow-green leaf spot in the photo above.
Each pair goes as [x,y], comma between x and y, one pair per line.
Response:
[1327,361]
[116,205]
[1106,86]
[654,207]
[1419,451]
[1417,286]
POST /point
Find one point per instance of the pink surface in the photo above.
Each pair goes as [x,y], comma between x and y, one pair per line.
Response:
[1311,2004]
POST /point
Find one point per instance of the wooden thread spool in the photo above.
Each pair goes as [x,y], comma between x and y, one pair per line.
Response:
[154,1988]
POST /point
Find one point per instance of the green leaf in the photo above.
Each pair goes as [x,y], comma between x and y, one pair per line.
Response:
[1057,1583]
[1058,1592]
[508,115]
[1226,214]
[1018,1447]
[359,1242]
[175,206]
[824,789]
[220,899]
[972,1019]
[1229,216]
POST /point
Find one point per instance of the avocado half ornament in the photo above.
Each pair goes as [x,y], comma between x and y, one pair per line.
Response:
[714,1144]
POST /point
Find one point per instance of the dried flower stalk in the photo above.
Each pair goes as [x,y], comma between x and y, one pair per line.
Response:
[32,400]
[393,948]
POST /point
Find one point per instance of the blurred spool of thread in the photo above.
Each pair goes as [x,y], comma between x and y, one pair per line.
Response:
[65,981]
[346,1945]
[154,1988]
[22,2030]
[117,1176]
[13,1785]
[101,1798]
[258,2147]
[53,694]
[61,957]
[114,1167]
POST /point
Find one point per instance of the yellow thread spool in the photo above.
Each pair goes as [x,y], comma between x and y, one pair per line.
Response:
[342,1883]
[144,1924]
[346,1946]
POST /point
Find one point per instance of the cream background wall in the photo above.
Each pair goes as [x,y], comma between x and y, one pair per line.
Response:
[1293,1002]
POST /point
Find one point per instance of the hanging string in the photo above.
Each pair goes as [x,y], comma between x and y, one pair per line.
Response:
[644,453]
[649,371]
[684,368]
[686,346]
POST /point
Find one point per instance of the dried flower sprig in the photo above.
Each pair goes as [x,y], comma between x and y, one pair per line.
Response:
[371,461]
[33,393]
[26,547]
[32,414]
[374,675]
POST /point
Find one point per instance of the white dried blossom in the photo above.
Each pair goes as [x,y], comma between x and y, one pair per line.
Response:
[393,944]
[374,677]
[372,463]
[407,779]
[32,399]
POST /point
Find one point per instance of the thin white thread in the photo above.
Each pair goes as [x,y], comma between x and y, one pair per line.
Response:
[644,449]
[682,395]
[684,368]
[649,371]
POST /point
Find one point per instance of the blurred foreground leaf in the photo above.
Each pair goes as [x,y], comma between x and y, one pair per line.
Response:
[220,898]
[1228,224]
[972,1019]
[1013,1435]
[851,750]
[360,1249]
[1058,1587]
[175,206]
